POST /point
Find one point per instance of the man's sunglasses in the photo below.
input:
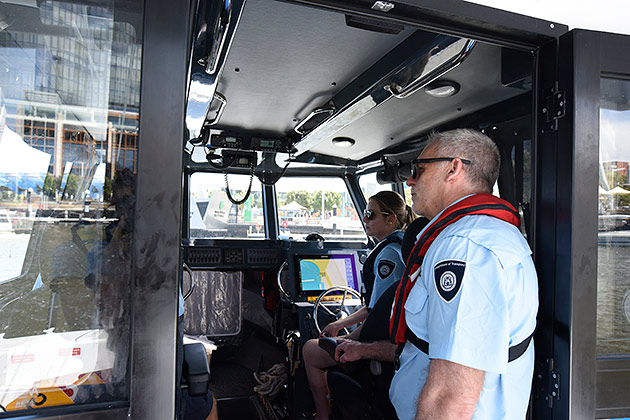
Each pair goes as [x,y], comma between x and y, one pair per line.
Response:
[369,214]
[414,164]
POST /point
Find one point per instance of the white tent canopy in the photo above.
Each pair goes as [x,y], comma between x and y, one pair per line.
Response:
[292,206]
[17,157]
[619,190]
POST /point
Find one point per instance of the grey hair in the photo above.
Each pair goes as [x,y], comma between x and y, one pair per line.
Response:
[475,146]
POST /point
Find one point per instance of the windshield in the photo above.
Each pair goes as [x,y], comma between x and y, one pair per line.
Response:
[317,205]
[213,215]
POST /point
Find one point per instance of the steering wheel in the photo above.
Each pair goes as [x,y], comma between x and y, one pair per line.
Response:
[314,236]
[341,310]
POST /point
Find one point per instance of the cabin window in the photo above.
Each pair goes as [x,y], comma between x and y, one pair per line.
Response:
[370,186]
[69,105]
[317,204]
[212,213]
[613,272]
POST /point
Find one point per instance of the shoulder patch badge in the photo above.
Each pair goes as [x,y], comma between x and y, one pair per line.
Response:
[448,278]
[385,268]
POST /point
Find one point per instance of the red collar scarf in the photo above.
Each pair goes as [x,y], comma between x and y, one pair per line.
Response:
[475,204]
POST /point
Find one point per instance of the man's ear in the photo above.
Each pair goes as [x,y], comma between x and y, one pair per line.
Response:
[455,170]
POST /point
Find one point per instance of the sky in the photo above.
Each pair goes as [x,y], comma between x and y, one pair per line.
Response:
[600,15]
[614,127]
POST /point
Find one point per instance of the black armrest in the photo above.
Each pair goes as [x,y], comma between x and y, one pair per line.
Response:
[329,344]
[196,371]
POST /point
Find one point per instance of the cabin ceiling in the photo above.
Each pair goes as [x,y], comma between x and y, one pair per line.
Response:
[291,59]
[399,119]
[286,60]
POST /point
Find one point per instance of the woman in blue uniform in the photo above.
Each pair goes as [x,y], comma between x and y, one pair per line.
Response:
[386,217]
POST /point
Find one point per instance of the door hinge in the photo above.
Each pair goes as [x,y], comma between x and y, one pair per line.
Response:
[553,389]
[553,108]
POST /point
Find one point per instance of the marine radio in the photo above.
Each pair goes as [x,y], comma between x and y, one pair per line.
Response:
[255,143]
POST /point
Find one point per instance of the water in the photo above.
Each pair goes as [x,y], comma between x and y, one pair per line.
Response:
[12,251]
[613,300]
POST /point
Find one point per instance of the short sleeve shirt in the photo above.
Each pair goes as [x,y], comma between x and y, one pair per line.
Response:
[388,269]
[476,296]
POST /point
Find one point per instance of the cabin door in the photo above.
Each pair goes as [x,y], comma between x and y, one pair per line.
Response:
[589,109]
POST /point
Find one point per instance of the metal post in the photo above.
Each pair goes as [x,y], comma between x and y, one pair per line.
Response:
[157,234]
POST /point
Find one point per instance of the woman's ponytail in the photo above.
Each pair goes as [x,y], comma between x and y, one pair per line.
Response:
[409,217]
[391,202]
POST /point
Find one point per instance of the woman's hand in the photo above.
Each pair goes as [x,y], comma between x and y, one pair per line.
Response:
[330,330]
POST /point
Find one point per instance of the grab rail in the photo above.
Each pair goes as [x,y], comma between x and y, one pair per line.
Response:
[223,101]
[424,79]
[222,27]
[298,128]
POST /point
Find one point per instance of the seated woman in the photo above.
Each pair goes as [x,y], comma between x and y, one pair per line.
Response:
[386,217]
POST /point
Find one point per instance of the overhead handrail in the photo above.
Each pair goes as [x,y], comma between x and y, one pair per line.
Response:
[221,27]
[223,101]
[423,67]
[210,52]
[439,69]
[317,111]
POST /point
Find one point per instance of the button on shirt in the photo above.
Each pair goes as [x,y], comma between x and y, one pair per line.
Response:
[389,268]
[476,296]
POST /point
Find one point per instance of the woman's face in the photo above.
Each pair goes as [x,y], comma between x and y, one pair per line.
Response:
[378,223]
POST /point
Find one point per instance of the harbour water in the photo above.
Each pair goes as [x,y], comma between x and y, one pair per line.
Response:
[613,300]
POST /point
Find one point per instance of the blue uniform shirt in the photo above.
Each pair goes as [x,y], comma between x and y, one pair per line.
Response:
[476,296]
[388,268]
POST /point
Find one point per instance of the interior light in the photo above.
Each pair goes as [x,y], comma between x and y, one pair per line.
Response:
[442,88]
[343,142]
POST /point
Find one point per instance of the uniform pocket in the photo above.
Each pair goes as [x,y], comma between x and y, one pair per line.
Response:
[417,300]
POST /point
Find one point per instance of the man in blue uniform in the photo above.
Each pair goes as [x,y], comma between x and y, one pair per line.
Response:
[466,308]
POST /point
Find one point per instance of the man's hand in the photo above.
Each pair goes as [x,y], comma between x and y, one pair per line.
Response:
[349,351]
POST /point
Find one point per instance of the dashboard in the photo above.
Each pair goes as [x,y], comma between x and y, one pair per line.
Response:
[309,268]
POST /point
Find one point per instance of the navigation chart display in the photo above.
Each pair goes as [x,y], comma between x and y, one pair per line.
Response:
[318,273]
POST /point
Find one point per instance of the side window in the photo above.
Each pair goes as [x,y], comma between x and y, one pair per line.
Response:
[213,215]
[613,281]
[407,191]
[69,105]
[317,204]
[369,185]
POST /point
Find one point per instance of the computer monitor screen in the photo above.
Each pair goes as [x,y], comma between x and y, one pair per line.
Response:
[320,272]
